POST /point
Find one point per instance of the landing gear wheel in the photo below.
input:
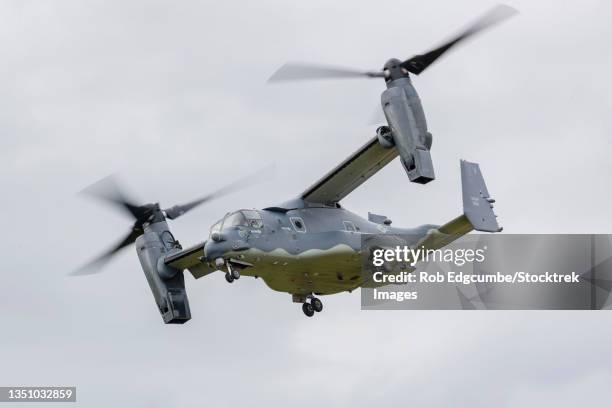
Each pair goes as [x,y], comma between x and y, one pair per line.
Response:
[308,309]
[317,305]
[229,278]
[235,273]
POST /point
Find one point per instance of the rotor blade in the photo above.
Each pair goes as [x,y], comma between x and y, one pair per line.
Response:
[108,190]
[95,265]
[178,210]
[300,71]
[497,14]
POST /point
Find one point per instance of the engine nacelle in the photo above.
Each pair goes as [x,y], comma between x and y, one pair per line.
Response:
[167,284]
[408,128]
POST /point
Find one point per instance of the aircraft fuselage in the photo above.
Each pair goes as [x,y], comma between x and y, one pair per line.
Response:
[300,251]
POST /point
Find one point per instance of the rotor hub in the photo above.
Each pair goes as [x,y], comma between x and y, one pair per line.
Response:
[393,70]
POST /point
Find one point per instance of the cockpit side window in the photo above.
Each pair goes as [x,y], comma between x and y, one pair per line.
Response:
[253,218]
[234,220]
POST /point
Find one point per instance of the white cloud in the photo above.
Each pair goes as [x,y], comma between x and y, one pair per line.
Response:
[172,96]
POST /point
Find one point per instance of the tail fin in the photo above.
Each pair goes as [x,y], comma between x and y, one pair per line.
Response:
[477,204]
[477,211]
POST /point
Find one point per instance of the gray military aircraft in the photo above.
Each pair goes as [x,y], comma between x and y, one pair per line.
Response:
[309,246]
[406,125]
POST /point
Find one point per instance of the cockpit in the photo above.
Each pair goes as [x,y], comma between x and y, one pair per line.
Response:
[249,219]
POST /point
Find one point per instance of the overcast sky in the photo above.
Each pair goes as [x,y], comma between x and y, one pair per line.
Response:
[171,96]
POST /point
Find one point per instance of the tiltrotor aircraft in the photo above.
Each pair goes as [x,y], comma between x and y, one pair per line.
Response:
[308,246]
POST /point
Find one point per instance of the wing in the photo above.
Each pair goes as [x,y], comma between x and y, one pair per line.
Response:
[190,258]
[350,174]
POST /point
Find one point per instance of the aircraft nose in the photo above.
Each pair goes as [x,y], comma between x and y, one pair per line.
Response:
[214,249]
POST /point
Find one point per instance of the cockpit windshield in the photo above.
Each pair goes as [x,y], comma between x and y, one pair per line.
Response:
[243,218]
[216,227]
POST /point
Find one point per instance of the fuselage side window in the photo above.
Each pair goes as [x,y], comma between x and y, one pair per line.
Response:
[298,224]
[349,226]
[253,218]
